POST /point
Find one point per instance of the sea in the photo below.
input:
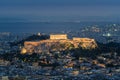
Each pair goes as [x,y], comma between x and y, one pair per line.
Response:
[74,29]
[16,27]
[43,27]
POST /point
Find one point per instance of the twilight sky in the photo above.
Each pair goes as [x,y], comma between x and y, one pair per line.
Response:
[59,10]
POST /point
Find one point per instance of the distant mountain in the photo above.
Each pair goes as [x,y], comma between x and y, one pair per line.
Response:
[10,19]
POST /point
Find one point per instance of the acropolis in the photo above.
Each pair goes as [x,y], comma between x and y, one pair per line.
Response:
[57,42]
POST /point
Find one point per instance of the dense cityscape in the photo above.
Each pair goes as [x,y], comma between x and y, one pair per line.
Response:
[59,39]
[62,62]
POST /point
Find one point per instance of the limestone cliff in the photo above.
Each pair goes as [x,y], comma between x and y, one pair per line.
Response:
[57,45]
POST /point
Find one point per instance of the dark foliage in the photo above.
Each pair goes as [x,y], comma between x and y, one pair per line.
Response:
[30,38]
[93,53]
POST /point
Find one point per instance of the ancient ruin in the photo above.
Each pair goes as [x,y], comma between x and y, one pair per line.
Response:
[57,43]
[58,36]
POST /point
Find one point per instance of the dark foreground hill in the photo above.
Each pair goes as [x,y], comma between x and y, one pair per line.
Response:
[102,48]
[30,38]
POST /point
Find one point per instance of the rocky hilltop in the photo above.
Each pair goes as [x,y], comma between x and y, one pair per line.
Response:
[57,44]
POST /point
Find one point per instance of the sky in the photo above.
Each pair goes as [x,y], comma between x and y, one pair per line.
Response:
[59,10]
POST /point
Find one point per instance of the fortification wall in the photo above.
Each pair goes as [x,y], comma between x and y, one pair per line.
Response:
[31,43]
[58,45]
[84,39]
